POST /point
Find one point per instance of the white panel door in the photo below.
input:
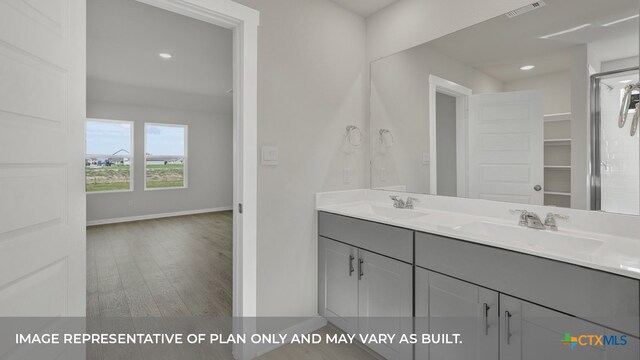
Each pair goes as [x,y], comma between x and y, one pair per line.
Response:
[506,147]
[42,198]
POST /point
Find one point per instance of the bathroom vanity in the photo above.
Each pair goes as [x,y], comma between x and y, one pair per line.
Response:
[511,292]
[499,208]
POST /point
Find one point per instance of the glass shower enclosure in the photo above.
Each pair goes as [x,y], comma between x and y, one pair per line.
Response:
[615,154]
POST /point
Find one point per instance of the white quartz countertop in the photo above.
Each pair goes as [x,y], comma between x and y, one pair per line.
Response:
[610,253]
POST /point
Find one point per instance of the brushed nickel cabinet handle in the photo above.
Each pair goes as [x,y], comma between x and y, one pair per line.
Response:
[485,310]
[507,330]
[360,270]
[351,270]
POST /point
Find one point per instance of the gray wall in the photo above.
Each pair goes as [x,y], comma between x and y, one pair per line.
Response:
[210,160]
[619,64]
[400,102]
[556,88]
[311,84]
[446,145]
[409,23]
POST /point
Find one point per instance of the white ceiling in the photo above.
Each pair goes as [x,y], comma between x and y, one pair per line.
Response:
[365,7]
[500,46]
[509,69]
[124,38]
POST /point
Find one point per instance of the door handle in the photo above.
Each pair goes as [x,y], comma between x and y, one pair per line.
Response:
[485,310]
[507,330]
[360,271]
[351,258]
[537,188]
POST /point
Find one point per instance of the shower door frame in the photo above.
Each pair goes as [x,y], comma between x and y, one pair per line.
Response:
[595,158]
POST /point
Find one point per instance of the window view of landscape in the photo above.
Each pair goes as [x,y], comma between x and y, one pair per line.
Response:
[108,158]
[165,149]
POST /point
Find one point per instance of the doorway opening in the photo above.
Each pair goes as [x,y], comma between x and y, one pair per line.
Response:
[243,23]
[448,127]
[159,163]
[446,145]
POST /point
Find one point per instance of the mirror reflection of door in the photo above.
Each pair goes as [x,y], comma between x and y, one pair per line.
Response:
[446,145]
[506,147]
[555,48]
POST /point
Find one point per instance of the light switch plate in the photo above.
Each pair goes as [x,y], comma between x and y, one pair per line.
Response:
[426,158]
[270,155]
[346,175]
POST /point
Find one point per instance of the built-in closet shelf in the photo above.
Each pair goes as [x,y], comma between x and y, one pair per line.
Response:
[557,142]
[557,117]
[559,193]
[557,159]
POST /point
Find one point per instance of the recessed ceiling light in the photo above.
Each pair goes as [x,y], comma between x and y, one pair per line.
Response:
[165,55]
[527,67]
[625,81]
[566,31]
[621,20]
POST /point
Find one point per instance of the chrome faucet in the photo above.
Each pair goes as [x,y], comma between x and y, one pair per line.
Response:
[532,220]
[529,219]
[411,202]
[397,202]
[550,221]
[402,204]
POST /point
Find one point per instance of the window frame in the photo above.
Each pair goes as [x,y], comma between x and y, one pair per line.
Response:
[131,158]
[185,168]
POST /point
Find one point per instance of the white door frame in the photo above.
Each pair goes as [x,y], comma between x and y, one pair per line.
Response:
[461,93]
[244,22]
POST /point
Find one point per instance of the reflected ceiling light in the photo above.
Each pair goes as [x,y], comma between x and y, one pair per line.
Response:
[621,20]
[165,55]
[527,67]
[565,31]
[625,81]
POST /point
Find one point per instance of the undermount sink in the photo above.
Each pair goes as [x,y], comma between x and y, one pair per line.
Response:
[387,211]
[538,240]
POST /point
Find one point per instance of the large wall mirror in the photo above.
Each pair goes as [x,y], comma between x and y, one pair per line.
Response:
[522,108]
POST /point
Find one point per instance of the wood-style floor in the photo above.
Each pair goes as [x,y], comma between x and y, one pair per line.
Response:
[178,268]
[320,351]
[171,267]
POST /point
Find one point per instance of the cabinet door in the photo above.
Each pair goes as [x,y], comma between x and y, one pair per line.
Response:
[529,331]
[385,302]
[445,305]
[338,284]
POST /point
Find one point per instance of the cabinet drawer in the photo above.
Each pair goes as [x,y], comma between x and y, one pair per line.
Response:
[606,299]
[382,239]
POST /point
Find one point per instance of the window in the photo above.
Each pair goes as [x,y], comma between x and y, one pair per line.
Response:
[165,156]
[108,155]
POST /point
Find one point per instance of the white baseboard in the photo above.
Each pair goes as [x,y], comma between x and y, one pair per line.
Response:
[156,216]
[306,327]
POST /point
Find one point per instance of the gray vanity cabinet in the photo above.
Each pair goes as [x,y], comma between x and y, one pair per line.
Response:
[529,331]
[366,286]
[339,284]
[447,305]
[366,279]
[365,293]
[609,300]
[385,302]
